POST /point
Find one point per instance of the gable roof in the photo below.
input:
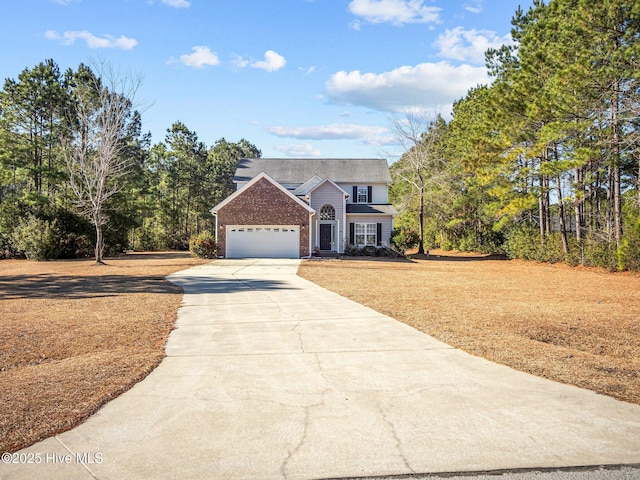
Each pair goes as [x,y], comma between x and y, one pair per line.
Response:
[314,183]
[330,182]
[307,186]
[299,170]
[254,180]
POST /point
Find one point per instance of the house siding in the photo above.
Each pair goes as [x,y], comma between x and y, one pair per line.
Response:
[328,194]
[379,191]
[263,203]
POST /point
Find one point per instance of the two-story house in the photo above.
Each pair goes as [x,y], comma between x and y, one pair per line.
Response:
[295,207]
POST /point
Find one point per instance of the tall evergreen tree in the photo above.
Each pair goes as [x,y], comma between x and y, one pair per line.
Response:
[32,113]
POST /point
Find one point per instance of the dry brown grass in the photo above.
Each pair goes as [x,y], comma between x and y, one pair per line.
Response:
[74,336]
[572,325]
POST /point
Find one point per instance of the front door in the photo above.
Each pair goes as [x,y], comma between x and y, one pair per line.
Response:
[325,236]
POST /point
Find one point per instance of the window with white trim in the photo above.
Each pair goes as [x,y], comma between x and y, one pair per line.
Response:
[363,196]
[365,234]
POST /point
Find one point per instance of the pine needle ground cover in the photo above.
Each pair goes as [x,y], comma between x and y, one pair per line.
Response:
[571,325]
[74,336]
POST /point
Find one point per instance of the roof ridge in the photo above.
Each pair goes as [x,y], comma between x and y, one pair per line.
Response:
[313,159]
[299,170]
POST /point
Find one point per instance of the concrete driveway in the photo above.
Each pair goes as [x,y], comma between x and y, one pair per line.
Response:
[269,376]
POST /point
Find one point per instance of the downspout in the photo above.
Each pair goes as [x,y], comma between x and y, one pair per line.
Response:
[215,214]
[341,239]
[311,214]
[310,236]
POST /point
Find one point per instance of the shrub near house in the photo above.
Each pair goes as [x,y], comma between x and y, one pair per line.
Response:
[203,245]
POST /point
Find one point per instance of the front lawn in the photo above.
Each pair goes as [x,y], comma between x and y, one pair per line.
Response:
[572,325]
[74,336]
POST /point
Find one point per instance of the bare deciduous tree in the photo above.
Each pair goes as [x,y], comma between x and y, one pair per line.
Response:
[422,165]
[95,142]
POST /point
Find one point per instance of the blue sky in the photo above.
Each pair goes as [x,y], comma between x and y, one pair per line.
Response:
[298,78]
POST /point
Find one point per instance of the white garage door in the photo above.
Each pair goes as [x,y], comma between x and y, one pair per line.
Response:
[263,241]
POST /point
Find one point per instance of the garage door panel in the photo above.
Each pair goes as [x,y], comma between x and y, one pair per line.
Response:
[263,241]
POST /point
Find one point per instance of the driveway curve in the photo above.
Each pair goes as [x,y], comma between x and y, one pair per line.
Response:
[268,376]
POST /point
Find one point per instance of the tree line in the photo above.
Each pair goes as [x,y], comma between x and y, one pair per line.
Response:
[74,162]
[543,163]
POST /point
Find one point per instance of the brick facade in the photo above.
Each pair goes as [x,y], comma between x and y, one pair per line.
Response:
[263,203]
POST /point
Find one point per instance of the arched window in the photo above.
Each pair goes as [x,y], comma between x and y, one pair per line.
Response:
[327,212]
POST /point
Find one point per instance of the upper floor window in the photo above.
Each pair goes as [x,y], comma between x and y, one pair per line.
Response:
[327,212]
[362,195]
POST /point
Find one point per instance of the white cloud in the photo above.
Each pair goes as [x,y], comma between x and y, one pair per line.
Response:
[474,6]
[92,41]
[177,3]
[396,12]
[200,57]
[299,150]
[426,86]
[272,62]
[469,45]
[239,61]
[338,131]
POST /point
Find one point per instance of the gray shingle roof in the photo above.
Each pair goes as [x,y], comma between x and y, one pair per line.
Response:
[377,209]
[299,170]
